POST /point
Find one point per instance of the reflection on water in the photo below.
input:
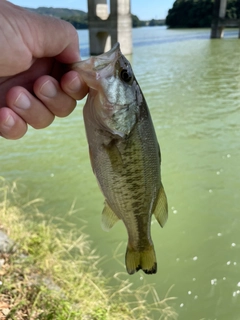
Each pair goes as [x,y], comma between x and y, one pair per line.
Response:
[192,85]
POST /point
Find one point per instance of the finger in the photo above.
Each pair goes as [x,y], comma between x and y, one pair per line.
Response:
[48,90]
[11,125]
[73,85]
[29,108]
[58,38]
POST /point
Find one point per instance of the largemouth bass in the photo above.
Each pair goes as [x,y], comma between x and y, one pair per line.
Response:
[125,154]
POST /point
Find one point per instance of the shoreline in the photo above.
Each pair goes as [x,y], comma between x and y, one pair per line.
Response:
[48,274]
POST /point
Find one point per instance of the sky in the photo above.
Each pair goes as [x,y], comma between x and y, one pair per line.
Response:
[144,9]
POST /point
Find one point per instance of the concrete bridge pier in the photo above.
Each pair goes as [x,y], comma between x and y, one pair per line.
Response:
[106,28]
[219,13]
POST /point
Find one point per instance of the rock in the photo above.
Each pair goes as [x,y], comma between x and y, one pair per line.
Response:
[5,311]
[6,244]
[2,261]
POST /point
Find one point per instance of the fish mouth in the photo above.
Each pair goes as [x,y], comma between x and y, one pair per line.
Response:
[109,57]
[116,47]
[97,63]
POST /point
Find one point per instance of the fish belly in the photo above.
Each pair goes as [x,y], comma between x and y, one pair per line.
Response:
[128,172]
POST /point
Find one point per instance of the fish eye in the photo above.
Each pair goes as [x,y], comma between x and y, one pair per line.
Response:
[126,75]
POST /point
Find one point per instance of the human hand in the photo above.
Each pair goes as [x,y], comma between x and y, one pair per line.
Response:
[34,84]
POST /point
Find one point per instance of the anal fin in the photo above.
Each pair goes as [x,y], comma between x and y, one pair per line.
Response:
[109,218]
[161,207]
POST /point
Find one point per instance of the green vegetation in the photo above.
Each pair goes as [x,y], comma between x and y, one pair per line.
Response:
[54,274]
[136,22]
[233,9]
[79,18]
[156,22]
[79,22]
[59,12]
[197,13]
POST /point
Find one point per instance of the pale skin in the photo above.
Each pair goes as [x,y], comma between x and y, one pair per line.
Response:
[35,85]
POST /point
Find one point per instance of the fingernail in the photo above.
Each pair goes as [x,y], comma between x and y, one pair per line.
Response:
[9,122]
[22,101]
[75,85]
[48,89]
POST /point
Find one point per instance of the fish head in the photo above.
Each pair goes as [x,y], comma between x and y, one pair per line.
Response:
[116,95]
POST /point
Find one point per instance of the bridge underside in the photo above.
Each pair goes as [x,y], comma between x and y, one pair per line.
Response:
[106,27]
[219,21]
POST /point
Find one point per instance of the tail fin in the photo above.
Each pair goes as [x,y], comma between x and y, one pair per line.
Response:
[145,260]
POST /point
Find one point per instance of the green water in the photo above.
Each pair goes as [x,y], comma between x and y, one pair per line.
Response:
[192,85]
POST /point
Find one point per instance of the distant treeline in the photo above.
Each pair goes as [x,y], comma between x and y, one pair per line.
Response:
[79,22]
[79,18]
[151,23]
[198,13]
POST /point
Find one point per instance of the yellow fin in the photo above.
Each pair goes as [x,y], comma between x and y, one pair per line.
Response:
[161,207]
[109,218]
[145,260]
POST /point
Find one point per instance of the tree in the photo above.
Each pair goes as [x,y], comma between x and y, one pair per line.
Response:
[197,13]
[136,22]
[79,22]
[154,22]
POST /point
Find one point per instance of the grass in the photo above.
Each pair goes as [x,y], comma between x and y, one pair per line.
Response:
[51,274]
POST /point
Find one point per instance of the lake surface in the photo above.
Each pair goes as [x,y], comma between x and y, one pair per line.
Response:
[192,85]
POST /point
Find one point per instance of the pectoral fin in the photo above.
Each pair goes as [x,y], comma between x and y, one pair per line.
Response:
[161,207]
[109,218]
[114,155]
